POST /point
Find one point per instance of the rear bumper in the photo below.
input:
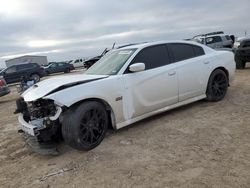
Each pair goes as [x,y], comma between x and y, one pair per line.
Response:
[4,91]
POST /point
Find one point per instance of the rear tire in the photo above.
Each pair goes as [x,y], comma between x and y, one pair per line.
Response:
[84,126]
[217,86]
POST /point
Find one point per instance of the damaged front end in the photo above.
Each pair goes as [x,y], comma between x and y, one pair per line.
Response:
[40,124]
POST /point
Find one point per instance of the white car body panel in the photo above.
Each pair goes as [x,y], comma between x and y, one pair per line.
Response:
[41,89]
[135,96]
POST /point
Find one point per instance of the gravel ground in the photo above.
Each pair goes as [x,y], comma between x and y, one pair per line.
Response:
[199,145]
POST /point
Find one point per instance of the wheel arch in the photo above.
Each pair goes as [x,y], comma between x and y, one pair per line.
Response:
[223,69]
[220,68]
[111,114]
[33,73]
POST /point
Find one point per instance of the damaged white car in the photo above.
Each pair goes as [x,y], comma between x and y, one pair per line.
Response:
[125,86]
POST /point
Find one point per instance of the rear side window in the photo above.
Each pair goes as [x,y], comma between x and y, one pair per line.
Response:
[26,66]
[153,57]
[182,52]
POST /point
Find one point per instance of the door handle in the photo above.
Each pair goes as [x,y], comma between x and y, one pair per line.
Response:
[172,73]
[206,62]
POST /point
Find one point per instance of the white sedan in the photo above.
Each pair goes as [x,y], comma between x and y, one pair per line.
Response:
[125,86]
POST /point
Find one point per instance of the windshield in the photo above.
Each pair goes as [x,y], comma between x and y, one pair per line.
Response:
[111,63]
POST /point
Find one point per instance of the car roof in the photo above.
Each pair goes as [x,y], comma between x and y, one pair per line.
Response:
[148,44]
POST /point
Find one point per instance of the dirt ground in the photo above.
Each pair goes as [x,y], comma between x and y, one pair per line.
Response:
[200,145]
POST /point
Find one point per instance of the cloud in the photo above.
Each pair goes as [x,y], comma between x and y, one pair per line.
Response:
[82,28]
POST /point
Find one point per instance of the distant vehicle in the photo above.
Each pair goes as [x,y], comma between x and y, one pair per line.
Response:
[242,53]
[91,61]
[127,85]
[14,73]
[77,63]
[239,40]
[58,67]
[215,40]
[4,89]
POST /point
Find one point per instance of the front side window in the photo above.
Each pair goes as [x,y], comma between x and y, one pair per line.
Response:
[152,57]
[246,44]
[111,63]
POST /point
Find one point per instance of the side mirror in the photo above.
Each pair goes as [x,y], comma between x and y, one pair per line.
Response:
[137,67]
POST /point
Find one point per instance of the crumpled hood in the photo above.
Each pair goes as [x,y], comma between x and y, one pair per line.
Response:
[47,86]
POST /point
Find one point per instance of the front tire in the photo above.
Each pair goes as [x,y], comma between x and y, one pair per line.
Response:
[35,77]
[67,71]
[217,86]
[84,127]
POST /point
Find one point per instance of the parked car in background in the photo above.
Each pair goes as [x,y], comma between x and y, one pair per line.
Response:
[77,63]
[4,89]
[215,40]
[91,61]
[14,73]
[126,85]
[242,53]
[58,67]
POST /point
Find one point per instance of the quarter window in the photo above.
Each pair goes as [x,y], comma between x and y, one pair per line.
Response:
[153,57]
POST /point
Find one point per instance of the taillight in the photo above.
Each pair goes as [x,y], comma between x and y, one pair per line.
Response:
[2,82]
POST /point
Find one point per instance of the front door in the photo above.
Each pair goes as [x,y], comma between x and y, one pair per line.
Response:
[154,88]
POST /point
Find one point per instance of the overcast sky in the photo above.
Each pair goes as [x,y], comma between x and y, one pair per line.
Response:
[69,29]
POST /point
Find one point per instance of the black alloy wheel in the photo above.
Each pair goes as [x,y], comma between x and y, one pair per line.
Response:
[92,126]
[217,86]
[84,126]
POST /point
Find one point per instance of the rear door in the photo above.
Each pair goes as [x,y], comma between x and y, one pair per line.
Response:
[192,67]
[24,70]
[155,87]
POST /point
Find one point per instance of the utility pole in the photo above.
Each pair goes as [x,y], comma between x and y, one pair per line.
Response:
[245,33]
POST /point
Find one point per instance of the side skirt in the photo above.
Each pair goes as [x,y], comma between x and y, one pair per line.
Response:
[167,108]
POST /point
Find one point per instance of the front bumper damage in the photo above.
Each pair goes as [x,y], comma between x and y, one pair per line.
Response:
[34,127]
[40,125]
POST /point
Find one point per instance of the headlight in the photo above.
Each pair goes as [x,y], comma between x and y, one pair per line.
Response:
[236,44]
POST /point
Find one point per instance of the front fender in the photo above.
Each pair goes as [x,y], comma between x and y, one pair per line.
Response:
[107,90]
